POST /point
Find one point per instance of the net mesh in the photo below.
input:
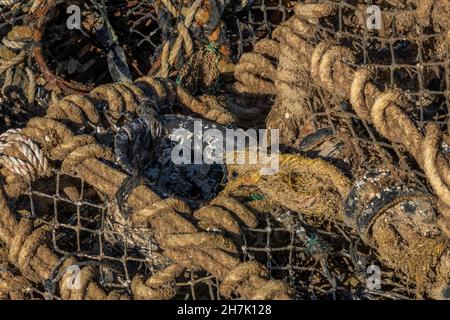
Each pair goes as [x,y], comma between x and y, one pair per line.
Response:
[401,57]
[150,28]
[79,229]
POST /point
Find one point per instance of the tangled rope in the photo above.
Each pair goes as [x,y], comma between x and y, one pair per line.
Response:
[208,238]
[383,110]
[301,68]
[170,55]
[183,242]
[22,159]
[329,66]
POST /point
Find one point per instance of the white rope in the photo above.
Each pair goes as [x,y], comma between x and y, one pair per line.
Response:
[31,165]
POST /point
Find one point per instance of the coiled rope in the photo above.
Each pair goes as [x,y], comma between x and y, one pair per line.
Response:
[22,157]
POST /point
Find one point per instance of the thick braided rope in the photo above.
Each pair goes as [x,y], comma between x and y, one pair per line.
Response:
[30,253]
[18,37]
[329,65]
[293,82]
[28,249]
[256,71]
[161,286]
[171,8]
[123,98]
[387,117]
[13,287]
[13,44]
[31,92]
[8,3]
[181,240]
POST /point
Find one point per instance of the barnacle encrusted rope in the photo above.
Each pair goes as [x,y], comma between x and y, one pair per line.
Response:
[394,219]
[387,117]
[329,66]
[362,211]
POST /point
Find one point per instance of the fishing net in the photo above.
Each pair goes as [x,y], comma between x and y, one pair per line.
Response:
[363,176]
[357,97]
